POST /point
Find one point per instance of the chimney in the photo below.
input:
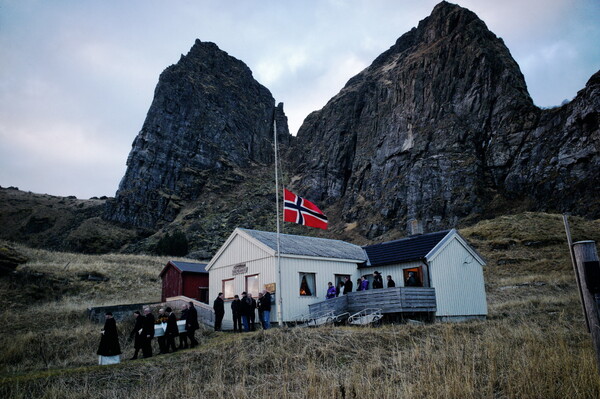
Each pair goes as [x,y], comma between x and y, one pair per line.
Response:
[415,227]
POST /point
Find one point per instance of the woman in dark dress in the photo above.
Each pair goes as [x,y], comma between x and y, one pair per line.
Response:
[109,350]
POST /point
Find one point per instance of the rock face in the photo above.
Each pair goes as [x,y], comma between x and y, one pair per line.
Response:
[208,116]
[440,128]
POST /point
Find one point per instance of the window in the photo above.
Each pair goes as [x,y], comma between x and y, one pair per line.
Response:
[307,284]
[228,289]
[413,277]
[252,285]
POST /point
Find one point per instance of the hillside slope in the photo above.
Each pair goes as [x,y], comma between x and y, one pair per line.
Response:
[535,331]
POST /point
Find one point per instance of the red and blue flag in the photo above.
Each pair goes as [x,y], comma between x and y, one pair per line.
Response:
[299,210]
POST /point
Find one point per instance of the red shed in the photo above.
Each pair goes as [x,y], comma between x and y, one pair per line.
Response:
[185,278]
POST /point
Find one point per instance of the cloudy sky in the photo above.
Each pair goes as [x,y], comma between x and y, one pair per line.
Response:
[77,77]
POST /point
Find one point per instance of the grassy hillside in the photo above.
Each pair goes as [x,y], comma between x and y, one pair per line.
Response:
[533,345]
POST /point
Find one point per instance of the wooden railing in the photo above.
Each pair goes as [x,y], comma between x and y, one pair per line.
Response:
[389,300]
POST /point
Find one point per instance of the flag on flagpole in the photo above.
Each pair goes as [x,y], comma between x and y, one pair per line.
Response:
[299,210]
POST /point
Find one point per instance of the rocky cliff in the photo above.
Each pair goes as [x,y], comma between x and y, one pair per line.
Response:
[209,117]
[441,128]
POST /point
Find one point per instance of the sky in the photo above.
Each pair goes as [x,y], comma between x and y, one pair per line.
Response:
[77,77]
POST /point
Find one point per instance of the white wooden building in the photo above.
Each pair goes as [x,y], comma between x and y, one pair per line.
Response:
[247,262]
[442,260]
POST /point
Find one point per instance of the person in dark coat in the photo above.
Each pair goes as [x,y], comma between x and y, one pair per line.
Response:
[183,337]
[390,283]
[136,334]
[148,332]
[358,284]
[191,324]
[252,313]
[172,330]
[347,285]
[377,280]
[109,350]
[219,307]
[246,307]
[162,340]
[412,280]
[260,310]
[265,305]
[236,311]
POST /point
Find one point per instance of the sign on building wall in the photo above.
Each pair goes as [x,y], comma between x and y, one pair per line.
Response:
[239,269]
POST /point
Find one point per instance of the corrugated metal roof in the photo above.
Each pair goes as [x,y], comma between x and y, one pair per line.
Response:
[403,250]
[190,267]
[309,246]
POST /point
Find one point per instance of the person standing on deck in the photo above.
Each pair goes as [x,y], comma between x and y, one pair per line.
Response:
[377,280]
[390,283]
[330,291]
[347,285]
[364,284]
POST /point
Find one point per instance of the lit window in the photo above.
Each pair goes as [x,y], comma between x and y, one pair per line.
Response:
[307,284]
[228,288]
[252,285]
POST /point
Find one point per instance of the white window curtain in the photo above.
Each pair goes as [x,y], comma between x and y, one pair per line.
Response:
[307,284]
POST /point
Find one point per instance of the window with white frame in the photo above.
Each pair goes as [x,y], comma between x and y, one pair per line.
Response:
[307,284]
[228,289]
[252,285]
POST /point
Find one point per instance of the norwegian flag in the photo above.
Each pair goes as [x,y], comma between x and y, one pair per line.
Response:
[298,210]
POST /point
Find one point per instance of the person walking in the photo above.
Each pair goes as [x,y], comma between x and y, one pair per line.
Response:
[162,340]
[109,350]
[183,337]
[236,311]
[191,324]
[136,334]
[171,331]
[219,308]
[148,332]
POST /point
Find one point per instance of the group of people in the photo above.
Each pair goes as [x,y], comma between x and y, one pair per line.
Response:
[142,334]
[362,284]
[244,310]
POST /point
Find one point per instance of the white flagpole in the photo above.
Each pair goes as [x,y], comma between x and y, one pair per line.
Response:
[278,290]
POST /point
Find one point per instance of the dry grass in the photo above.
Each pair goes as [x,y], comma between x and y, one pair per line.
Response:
[533,345]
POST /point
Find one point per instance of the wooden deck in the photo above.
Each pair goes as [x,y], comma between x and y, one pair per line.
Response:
[389,300]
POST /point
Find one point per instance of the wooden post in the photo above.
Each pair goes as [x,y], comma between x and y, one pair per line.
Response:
[588,269]
[574,264]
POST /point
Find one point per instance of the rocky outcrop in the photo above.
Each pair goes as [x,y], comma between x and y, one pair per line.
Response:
[209,116]
[441,128]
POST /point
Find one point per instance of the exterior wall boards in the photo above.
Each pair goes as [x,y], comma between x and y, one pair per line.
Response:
[325,270]
[458,280]
[258,261]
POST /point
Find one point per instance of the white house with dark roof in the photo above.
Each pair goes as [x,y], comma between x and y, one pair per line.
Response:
[443,261]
